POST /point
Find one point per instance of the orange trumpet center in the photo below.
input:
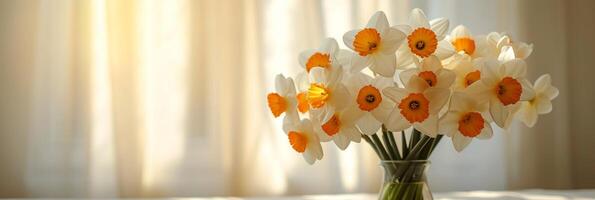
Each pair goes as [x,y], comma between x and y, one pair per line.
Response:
[332,126]
[366,41]
[415,107]
[471,124]
[303,105]
[422,42]
[368,98]
[298,141]
[429,77]
[471,77]
[318,60]
[464,44]
[318,95]
[509,91]
[277,104]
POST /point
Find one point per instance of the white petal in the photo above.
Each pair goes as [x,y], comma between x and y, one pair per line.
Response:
[325,113]
[506,54]
[416,84]
[490,74]
[281,85]
[350,115]
[516,68]
[352,134]
[479,91]
[302,81]
[305,56]
[344,57]
[391,41]
[395,93]
[330,46]
[308,157]
[499,113]
[359,62]
[406,29]
[341,141]
[318,75]
[381,82]
[396,122]
[523,50]
[527,90]
[356,81]
[445,78]
[440,27]
[368,124]
[437,97]
[460,32]
[461,102]
[378,21]
[349,37]
[486,132]
[449,123]
[418,19]
[382,112]
[404,76]
[444,50]
[384,65]
[431,63]
[429,126]
[290,90]
[527,114]
[340,97]
[542,105]
[404,58]
[459,141]
[290,121]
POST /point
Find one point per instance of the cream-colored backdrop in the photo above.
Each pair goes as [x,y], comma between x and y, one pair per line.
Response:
[131,98]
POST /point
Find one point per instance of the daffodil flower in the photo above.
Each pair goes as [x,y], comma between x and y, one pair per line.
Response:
[340,127]
[417,106]
[326,56]
[467,71]
[541,103]
[424,38]
[432,72]
[304,140]
[465,43]
[370,101]
[375,46]
[326,93]
[503,85]
[284,101]
[496,41]
[466,119]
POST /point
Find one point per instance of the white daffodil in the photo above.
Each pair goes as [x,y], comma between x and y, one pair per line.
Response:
[370,101]
[424,38]
[466,119]
[541,103]
[340,127]
[431,71]
[416,106]
[503,85]
[284,101]
[326,56]
[465,43]
[304,140]
[326,93]
[375,46]
[496,41]
[466,70]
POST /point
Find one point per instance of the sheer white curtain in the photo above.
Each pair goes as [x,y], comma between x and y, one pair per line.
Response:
[135,98]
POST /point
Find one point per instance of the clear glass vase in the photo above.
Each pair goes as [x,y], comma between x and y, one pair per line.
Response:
[405,180]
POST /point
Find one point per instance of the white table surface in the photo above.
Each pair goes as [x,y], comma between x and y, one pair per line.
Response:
[479,195]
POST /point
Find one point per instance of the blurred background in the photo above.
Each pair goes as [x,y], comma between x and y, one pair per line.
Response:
[150,98]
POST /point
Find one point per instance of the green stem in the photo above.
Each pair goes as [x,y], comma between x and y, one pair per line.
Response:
[404,144]
[394,144]
[381,148]
[390,148]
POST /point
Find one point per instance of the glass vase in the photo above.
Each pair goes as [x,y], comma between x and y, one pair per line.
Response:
[405,180]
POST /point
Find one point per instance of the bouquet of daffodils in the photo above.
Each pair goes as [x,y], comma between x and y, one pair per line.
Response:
[413,76]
